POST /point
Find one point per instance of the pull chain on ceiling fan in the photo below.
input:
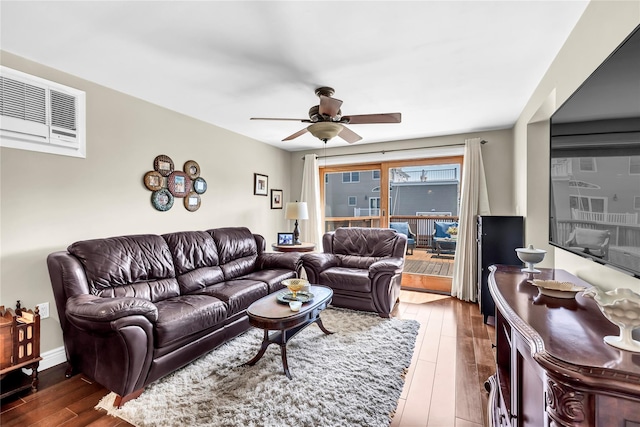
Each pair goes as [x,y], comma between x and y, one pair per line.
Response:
[328,122]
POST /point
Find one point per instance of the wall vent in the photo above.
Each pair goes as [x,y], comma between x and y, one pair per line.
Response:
[40,115]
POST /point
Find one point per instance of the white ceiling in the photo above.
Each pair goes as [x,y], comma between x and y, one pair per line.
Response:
[448,66]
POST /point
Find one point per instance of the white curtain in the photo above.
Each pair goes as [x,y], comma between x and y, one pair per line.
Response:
[473,201]
[311,229]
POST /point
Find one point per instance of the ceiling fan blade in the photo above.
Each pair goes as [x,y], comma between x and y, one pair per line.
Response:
[349,135]
[295,135]
[275,118]
[373,118]
[329,106]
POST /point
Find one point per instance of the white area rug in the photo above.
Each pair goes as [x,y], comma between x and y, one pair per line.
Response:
[351,378]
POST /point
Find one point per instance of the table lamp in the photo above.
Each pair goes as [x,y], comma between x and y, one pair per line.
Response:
[296,210]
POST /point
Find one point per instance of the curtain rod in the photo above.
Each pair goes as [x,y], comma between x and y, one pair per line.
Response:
[391,151]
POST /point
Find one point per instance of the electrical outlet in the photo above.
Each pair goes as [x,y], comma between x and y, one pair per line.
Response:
[43,308]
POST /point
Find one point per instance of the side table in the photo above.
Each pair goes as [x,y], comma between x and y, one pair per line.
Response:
[303,247]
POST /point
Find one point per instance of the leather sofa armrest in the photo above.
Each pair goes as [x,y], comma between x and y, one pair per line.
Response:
[83,309]
[320,261]
[288,260]
[386,265]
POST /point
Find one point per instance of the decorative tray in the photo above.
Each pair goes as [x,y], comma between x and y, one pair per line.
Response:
[286,296]
[556,289]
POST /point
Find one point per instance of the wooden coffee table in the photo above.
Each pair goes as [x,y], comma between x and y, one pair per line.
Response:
[270,315]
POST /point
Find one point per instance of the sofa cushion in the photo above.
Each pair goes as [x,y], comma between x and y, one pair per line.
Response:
[140,263]
[237,294]
[237,250]
[191,250]
[346,279]
[272,278]
[195,257]
[354,261]
[185,315]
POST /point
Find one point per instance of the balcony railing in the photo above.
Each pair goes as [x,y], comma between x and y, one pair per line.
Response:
[605,217]
[621,234]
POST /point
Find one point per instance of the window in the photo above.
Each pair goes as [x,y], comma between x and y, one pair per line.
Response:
[326,178]
[634,165]
[350,177]
[375,174]
[587,164]
[588,204]
[352,201]
[636,202]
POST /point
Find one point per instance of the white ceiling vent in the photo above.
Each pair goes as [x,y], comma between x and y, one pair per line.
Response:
[40,115]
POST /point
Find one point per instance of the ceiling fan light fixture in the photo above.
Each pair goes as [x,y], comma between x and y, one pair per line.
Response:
[325,130]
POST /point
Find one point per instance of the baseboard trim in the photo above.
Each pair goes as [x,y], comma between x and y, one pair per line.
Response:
[52,358]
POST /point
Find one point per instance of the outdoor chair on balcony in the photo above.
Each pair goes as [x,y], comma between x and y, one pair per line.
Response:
[403,228]
[443,241]
[593,242]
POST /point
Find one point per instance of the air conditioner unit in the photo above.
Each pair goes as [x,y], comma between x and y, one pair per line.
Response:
[40,115]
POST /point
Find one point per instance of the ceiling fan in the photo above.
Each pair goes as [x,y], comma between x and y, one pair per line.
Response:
[327,120]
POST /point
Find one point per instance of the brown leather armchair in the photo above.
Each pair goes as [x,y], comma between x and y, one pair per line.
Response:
[363,266]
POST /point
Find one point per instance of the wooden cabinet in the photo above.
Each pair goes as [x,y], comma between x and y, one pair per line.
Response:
[498,238]
[19,349]
[552,366]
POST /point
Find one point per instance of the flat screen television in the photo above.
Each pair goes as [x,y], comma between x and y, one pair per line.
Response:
[594,198]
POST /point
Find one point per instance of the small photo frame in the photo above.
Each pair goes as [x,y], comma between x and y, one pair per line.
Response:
[154,181]
[162,200]
[192,169]
[179,184]
[163,164]
[285,239]
[260,184]
[200,185]
[192,201]
[276,199]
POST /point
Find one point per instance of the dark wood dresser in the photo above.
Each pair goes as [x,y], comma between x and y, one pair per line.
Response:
[552,366]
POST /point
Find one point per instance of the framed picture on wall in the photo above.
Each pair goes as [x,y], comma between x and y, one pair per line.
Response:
[276,199]
[260,184]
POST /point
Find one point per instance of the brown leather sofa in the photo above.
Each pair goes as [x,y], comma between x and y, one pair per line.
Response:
[363,266]
[135,308]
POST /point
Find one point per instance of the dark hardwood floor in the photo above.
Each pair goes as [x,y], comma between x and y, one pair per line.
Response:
[437,391]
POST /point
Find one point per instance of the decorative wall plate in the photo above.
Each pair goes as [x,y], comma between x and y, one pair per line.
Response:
[199,185]
[162,200]
[179,184]
[192,202]
[192,169]
[153,180]
[163,164]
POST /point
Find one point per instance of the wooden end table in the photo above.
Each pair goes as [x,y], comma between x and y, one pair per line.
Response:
[302,247]
[270,315]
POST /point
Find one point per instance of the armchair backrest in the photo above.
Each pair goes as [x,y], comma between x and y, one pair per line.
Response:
[589,238]
[359,247]
[401,227]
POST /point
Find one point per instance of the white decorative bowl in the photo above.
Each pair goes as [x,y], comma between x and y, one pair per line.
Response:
[530,256]
[556,289]
[621,307]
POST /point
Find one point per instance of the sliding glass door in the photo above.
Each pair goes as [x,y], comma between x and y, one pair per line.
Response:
[418,192]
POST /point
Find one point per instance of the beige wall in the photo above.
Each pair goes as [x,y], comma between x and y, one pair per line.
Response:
[603,26]
[50,201]
[497,156]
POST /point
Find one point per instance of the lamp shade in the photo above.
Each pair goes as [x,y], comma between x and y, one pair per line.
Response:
[296,210]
